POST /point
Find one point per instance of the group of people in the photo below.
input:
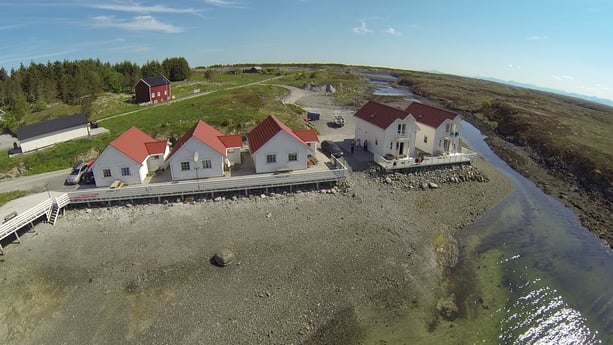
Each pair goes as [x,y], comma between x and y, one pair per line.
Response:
[353,144]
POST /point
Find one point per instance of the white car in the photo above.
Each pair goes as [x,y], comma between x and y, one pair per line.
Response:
[76,173]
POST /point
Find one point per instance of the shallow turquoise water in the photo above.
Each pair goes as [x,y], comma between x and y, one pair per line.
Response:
[555,276]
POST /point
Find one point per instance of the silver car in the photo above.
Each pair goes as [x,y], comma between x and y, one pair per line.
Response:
[76,173]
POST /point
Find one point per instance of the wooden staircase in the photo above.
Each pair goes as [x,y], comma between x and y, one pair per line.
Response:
[58,203]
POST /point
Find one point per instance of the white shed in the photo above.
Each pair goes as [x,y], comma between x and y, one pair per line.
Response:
[51,132]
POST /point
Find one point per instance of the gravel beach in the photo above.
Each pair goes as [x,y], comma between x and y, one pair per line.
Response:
[142,274]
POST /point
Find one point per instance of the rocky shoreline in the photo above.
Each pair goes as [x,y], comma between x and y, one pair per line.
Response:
[304,263]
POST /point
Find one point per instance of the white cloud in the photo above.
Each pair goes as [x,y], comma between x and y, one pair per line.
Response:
[144,9]
[537,37]
[139,23]
[362,29]
[223,3]
[562,77]
[392,32]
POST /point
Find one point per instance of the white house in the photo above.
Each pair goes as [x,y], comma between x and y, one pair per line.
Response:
[129,158]
[204,152]
[275,147]
[51,132]
[439,129]
[385,130]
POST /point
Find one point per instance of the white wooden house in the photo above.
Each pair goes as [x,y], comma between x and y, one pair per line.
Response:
[46,133]
[385,131]
[129,158]
[439,129]
[275,147]
[204,152]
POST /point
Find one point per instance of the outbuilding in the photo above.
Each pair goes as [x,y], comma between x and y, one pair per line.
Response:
[46,133]
[152,90]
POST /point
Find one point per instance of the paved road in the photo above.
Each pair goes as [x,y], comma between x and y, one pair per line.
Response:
[53,181]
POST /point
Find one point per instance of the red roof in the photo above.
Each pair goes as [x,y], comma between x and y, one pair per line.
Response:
[211,137]
[266,130]
[429,115]
[235,140]
[137,145]
[307,135]
[380,115]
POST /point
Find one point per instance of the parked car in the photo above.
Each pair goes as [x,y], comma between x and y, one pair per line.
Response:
[339,121]
[76,173]
[331,148]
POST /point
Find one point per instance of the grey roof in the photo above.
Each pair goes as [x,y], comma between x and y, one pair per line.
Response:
[49,126]
[156,80]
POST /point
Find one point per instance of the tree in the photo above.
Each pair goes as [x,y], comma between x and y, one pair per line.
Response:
[87,105]
[176,68]
[152,68]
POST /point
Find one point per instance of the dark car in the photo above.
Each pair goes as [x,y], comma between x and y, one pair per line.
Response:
[331,148]
[88,177]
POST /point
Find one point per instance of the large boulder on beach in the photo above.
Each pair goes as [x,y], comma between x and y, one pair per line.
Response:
[223,257]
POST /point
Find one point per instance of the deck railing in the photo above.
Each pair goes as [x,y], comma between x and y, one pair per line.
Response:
[464,156]
[210,185]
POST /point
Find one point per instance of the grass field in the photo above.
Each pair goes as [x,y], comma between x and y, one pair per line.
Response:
[567,133]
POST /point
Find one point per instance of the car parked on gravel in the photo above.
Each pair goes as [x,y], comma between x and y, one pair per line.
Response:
[332,148]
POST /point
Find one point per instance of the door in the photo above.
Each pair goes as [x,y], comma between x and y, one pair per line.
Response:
[401,149]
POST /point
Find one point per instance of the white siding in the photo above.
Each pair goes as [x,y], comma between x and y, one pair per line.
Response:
[234,155]
[154,163]
[281,145]
[379,140]
[436,137]
[367,131]
[114,160]
[49,139]
[186,154]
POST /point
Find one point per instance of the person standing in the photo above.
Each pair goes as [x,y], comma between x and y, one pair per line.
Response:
[365,145]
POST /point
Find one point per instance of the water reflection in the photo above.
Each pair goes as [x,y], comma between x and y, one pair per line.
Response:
[551,269]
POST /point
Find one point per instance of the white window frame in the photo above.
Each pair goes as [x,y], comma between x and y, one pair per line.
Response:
[402,128]
[125,171]
[207,164]
[107,173]
[293,155]
[271,158]
[185,166]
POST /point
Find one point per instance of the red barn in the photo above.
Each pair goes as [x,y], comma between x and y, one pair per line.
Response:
[152,90]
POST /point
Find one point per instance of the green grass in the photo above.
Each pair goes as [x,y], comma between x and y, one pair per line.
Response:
[8,196]
[232,111]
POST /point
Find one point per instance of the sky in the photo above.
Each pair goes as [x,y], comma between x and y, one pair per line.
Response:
[559,44]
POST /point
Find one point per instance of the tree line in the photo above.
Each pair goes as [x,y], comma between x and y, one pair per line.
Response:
[31,88]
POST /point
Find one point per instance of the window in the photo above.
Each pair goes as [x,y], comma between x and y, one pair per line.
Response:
[156,157]
[425,139]
[185,166]
[153,95]
[165,92]
[158,94]
[125,172]
[447,128]
[106,172]
[392,144]
[271,158]
[206,164]
[402,128]
[292,157]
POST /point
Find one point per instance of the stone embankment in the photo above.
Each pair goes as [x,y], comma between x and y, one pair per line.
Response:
[433,178]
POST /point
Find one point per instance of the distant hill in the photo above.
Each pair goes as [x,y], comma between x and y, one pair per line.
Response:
[545,89]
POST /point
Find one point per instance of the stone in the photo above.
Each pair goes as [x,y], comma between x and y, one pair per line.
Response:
[223,257]
[432,185]
[217,199]
[388,180]
[268,215]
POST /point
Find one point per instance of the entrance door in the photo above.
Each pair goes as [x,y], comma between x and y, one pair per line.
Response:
[401,149]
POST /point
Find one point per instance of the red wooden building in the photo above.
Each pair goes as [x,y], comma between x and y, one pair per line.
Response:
[152,90]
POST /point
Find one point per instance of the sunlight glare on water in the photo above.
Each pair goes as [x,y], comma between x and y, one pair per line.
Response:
[541,316]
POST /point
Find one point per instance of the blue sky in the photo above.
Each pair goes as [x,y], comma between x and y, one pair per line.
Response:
[561,44]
